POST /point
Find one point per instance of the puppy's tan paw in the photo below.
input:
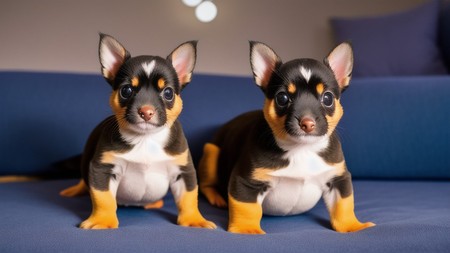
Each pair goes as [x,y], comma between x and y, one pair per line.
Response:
[94,222]
[195,220]
[352,227]
[254,230]
[218,201]
[155,205]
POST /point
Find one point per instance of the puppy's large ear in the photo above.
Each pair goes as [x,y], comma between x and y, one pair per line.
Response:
[340,60]
[264,62]
[112,55]
[183,60]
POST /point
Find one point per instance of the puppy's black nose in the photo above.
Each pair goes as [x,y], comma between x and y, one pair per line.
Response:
[146,112]
[307,124]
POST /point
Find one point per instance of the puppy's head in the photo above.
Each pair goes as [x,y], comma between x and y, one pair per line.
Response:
[302,95]
[146,89]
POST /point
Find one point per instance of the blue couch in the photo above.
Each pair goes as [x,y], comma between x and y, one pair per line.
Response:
[395,134]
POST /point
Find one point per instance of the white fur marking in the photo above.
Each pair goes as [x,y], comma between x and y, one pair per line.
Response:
[148,67]
[141,184]
[306,73]
[144,173]
[148,148]
[298,187]
[311,143]
[290,197]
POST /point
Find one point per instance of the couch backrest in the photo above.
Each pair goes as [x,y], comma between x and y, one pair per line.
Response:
[397,127]
[47,117]
[392,127]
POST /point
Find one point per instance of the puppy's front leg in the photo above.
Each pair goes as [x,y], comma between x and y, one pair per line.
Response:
[340,203]
[103,197]
[104,207]
[185,191]
[245,212]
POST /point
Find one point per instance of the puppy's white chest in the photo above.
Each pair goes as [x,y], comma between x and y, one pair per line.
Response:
[148,149]
[141,184]
[298,187]
[143,174]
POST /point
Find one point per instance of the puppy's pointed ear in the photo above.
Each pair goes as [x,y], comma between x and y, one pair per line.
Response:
[264,62]
[183,60]
[112,55]
[340,60]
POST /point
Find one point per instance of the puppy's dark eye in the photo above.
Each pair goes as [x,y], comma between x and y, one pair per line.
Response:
[126,92]
[168,93]
[282,99]
[327,99]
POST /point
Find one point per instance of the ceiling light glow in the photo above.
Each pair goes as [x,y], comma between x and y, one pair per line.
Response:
[206,11]
[191,3]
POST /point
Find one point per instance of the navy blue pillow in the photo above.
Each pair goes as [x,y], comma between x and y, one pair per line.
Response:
[400,44]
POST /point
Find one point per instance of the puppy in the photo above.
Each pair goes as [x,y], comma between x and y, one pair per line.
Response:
[283,159]
[136,155]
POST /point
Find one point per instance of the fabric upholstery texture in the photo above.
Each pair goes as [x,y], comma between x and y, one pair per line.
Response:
[394,133]
[391,128]
[411,216]
[399,44]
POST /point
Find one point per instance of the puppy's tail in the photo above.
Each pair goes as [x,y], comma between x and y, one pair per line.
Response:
[76,190]
[208,175]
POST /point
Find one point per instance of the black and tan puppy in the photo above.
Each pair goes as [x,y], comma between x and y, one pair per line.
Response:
[283,159]
[136,155]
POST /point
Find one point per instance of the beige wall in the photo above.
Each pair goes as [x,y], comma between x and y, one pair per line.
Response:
[62,35]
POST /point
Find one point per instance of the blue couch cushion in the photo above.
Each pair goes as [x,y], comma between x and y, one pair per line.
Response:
[399,44]
[410,217]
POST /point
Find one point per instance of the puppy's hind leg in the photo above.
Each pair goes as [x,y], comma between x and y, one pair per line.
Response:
[208,175]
